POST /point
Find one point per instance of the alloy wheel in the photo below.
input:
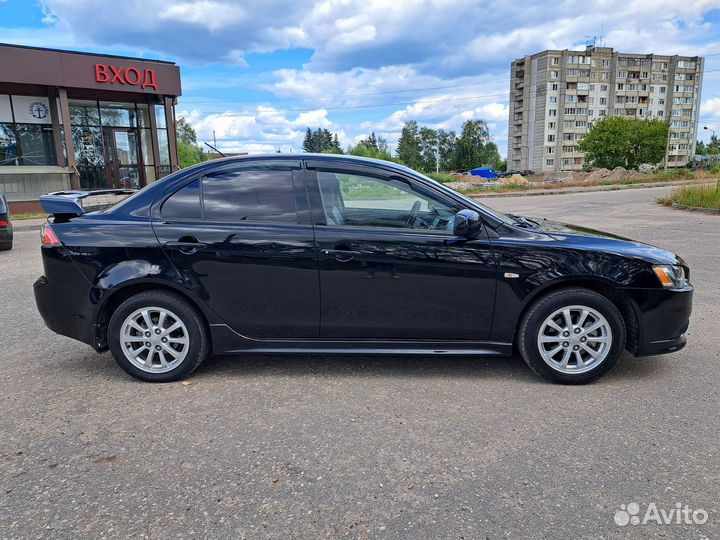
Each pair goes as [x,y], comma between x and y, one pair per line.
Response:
[154,339]
[574,339]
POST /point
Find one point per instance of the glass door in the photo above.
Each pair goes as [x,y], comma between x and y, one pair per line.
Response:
[122,158]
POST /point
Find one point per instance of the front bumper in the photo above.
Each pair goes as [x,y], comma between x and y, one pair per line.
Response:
[663,317]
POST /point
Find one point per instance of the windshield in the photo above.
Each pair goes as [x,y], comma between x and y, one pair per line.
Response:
[504,218]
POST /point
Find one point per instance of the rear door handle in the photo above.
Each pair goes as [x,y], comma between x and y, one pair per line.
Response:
[188,247]
[342,255]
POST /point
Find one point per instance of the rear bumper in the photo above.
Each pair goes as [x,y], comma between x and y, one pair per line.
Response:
[6,233]
[663,319]
[62,313]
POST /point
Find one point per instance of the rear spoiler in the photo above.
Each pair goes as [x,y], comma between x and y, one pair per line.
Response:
[69,204]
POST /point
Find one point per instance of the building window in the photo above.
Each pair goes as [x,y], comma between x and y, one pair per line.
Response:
[603,87]
[554,74]
[26,136]
[552,99]
[550,149]
[554,87]
[551,138]
[552,112]
[549,162]
[551,125]
[555,61]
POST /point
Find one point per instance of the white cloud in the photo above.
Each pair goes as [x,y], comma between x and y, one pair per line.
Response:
[260,130]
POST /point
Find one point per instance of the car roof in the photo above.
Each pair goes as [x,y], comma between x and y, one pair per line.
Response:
[313,157]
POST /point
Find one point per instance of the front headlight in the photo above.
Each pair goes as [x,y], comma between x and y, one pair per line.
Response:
[671,277]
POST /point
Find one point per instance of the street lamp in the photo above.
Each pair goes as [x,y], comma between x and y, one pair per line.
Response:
[712,130]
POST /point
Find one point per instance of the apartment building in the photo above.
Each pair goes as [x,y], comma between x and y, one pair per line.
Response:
[556,95]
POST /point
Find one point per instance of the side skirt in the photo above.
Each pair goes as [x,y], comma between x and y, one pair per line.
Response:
[226,341]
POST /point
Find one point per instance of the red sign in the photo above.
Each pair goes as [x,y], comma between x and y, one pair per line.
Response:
[122,75]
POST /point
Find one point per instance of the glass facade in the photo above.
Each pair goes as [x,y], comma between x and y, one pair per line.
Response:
[114,144]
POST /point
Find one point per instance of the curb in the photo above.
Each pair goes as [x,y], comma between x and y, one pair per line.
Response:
[710,211]
[581,189]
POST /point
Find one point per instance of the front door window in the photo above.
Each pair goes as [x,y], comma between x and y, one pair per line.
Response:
[365,201]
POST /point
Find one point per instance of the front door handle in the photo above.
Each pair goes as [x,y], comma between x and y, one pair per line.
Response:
[342,255]
[187,246]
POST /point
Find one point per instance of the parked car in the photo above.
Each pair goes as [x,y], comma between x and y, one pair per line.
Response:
[337,254]
[6,228]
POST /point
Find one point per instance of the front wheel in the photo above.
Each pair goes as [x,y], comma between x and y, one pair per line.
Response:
[572,336]
[157,336]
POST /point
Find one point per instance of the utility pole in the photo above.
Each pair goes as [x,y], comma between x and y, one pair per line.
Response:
[214,139]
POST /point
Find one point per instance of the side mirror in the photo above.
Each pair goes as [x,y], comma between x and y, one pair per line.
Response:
[467,223]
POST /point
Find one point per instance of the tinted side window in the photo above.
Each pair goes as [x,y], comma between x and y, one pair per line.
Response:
[252,195]
[183,204]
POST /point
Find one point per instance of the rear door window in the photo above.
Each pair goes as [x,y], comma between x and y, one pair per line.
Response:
[184,204]
[249,195]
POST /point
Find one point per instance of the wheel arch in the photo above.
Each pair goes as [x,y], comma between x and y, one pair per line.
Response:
[603,287]
[118,295]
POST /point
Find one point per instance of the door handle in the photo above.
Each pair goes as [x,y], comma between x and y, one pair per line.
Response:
[342,255]
[187,247]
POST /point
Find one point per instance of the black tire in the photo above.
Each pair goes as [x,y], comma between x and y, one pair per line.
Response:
[198,347]
[6,245]
[541,309]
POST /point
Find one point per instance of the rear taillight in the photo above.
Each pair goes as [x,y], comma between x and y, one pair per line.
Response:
[49,238]
[4,223]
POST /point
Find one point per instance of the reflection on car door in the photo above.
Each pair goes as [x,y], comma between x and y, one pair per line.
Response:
[390,267]
[241,237]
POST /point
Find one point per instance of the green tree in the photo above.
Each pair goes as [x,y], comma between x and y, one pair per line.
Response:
[321,140]
[474,147]
[428,141]
[447,140]
[185,132]
[625,142]
[363,151]
[408,145]
[370,142]
[711,148]
[188,151]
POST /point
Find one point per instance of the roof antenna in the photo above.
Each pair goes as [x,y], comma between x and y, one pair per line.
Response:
[216,150]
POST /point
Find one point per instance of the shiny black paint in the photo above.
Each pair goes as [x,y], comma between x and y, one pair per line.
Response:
[316,287]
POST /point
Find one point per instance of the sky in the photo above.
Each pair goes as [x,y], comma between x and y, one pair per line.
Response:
[258,72]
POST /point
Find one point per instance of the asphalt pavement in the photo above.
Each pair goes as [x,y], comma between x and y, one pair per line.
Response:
[365,447]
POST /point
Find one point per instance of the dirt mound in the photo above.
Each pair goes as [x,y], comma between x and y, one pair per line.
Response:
[514,179]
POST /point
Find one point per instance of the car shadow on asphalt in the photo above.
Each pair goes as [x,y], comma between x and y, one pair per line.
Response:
[513,368]
[334,365]
[480,367]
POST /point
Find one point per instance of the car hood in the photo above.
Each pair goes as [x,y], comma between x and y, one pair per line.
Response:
[607,242]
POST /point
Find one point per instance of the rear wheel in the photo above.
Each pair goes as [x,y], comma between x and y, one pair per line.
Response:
[572,336]
[158,336]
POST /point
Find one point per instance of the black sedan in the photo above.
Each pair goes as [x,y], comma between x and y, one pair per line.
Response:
[6,229]
[335,254]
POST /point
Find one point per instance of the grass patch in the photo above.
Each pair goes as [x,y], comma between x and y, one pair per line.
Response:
[694,196]
[442,177]
[32,215]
